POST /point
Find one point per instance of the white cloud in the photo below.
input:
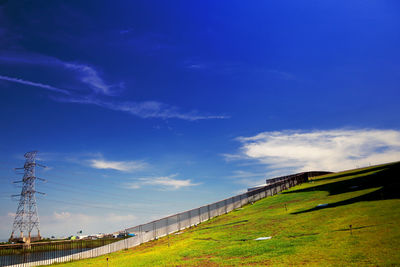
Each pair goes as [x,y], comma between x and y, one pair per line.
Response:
[34,84]
[167,182]
[62,215]
[124,166]
[90,76]
[331,150]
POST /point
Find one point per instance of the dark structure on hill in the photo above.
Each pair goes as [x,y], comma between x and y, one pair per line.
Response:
[302,176]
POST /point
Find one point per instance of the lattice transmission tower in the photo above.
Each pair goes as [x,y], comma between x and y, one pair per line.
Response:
[26,217]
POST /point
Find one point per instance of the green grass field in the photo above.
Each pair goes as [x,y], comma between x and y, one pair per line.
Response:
[367,199]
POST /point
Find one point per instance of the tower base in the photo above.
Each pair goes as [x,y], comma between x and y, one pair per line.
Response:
[25,239]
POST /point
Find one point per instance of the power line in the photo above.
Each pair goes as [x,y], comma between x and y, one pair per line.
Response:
[109,195]
[83,204]
[90,188]
[82,191]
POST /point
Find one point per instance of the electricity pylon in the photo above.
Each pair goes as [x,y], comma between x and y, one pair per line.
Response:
[26,218]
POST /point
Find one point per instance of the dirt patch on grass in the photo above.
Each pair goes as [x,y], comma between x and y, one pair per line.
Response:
[200,261]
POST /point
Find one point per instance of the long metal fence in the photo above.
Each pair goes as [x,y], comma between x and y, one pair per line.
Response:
[19,254]
[177,222]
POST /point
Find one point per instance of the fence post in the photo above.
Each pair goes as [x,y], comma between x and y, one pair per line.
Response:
[199,215]
[225,204]
[166,224]
[141,234]
[154,231]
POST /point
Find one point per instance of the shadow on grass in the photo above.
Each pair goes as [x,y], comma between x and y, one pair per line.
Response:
[302,235]
[387,180]
[356,172]
[354,228]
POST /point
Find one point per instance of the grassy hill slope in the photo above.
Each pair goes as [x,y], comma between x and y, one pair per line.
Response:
[367,199]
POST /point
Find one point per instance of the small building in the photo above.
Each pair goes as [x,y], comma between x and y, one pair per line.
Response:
[256,187]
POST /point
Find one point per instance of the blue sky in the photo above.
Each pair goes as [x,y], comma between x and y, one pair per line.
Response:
[144,109]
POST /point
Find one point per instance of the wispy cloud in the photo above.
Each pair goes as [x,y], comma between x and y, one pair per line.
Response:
[86,86]
[280,74]
[197,66]
[253,178]
[332,150]
[61,215]
[236,68]
[233,157]
[146,109]
[218,67]
[124,166]
[166,182]
[246,174]
[34,84]
[71,71]
[248,178]
[125,31]
[91,77]
[29,58]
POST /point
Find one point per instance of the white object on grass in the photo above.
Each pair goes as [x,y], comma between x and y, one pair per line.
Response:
[322,205]
[263,238]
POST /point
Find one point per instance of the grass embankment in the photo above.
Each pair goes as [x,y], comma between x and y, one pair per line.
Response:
[367,199]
